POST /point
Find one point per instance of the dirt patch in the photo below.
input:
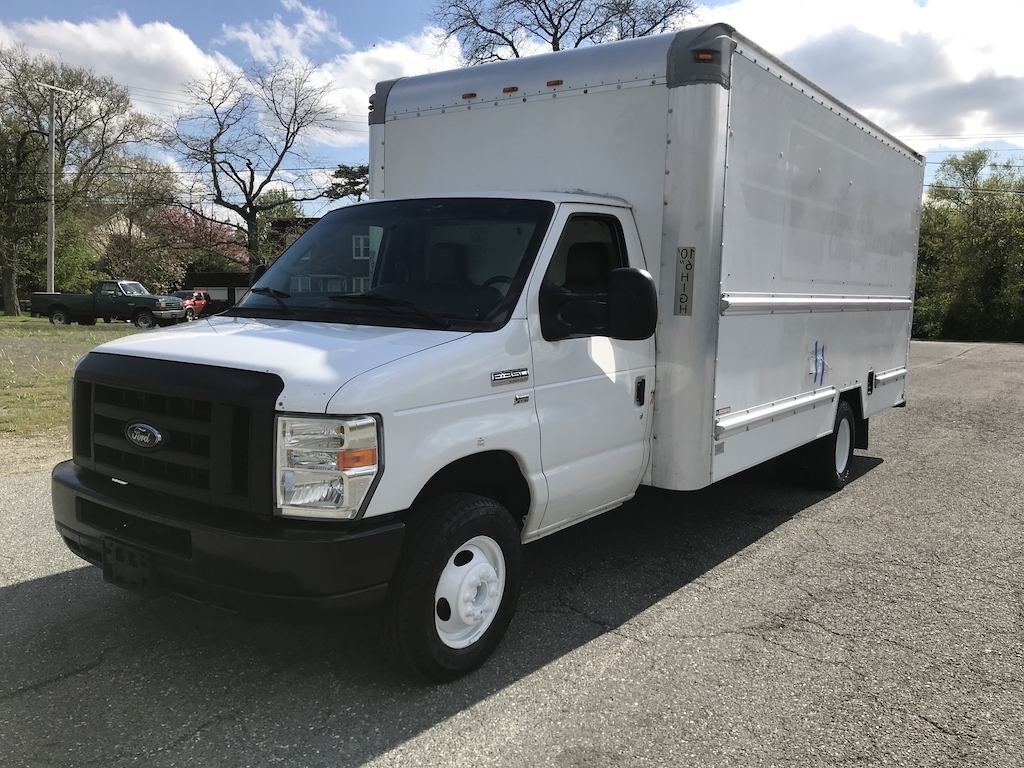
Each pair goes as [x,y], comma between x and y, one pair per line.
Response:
[32,453]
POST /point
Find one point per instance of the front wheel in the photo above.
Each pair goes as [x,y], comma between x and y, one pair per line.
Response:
[190,314]
[831,456]
[145,319]
[455,587]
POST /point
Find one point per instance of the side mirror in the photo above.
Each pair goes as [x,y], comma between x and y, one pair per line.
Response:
[628,311]
[632,305]
[257,272]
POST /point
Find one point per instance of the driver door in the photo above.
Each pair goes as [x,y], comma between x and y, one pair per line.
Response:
[591,391]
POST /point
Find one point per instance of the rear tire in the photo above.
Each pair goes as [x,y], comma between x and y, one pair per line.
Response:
[455,586]
[830,457]
[145,319]
[60,316]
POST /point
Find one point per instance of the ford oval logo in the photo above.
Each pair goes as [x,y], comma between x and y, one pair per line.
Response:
[143,435]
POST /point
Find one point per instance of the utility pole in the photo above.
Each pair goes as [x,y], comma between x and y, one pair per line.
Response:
[50,195]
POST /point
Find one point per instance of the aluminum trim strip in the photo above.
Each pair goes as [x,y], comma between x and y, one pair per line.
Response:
[760,415]
[767,304]
[888,377]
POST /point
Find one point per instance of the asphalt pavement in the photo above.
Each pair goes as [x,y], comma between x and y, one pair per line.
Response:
[755,623]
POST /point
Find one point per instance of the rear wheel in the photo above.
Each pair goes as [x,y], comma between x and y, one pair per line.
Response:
[830,457]
[455,587]
[145,319]
[60,316]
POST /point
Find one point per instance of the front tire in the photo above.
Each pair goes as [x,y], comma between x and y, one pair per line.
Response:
[190,314]
[831,456]
[145,319]
[455,586]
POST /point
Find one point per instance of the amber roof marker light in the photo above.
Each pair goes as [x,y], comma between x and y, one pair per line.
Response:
[510,89]
[704,57]
[469,95]
[553,83]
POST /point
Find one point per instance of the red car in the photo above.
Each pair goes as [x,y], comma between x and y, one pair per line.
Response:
[195,302]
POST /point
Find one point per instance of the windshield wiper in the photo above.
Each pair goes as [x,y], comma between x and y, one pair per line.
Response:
[387,301]
[276,296]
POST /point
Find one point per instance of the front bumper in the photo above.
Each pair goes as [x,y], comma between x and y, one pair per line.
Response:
[169,315]
[220,556]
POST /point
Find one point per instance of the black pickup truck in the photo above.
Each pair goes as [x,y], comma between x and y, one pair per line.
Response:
[112,300]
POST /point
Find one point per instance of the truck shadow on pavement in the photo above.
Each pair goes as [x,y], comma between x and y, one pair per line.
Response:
[92,674]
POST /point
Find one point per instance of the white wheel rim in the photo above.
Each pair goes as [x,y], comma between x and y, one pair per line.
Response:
[843,440]
[469,592]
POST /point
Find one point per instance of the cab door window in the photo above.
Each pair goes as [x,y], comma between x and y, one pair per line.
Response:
[574,292]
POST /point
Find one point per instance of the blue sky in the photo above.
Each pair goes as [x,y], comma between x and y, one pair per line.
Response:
[939,75]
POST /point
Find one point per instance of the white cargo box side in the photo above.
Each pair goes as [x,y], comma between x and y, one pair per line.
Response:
[807,291]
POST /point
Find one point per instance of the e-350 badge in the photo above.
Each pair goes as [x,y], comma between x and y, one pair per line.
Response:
[510,377]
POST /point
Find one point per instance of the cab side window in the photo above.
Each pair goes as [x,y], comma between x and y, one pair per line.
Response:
[574,292]
[591,246]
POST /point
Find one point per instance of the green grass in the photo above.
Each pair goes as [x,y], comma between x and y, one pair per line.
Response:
[35,364]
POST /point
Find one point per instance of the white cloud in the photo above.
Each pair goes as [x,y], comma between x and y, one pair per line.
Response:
[275,39]
[355,75]
[153,59]
[920,70]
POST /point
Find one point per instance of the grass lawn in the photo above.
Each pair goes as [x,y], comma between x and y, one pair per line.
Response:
[35,365]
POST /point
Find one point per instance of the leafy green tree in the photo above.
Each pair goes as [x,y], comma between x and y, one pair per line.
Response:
[353,182]
[280,223]
[136,191]
[22,201]
[94,124]
[970,281]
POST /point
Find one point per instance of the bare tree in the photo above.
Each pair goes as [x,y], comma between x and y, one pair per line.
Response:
[493,30]
[242,129]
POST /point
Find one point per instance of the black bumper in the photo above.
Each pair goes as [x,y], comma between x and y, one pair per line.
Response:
[220,556]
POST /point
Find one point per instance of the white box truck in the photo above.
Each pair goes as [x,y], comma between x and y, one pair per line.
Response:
[658,261]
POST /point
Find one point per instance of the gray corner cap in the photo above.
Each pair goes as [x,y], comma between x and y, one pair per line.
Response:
[379,101]
[685,67]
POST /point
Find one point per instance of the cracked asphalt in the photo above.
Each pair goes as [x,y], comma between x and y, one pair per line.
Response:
[756,623]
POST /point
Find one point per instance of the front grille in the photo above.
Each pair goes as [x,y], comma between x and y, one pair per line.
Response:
[207,417]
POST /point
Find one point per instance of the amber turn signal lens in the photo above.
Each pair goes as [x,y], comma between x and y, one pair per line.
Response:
[366,457]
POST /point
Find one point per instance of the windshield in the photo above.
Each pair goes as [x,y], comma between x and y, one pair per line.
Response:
[439,263]
[132,289]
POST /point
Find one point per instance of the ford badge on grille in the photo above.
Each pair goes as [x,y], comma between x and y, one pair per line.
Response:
[142,435]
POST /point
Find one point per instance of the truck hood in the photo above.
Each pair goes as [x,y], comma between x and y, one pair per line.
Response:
[314,360]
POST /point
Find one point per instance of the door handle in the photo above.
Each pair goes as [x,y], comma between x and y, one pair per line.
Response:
[641,390]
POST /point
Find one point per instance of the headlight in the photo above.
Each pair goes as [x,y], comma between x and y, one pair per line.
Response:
[159,305]
[325,465]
